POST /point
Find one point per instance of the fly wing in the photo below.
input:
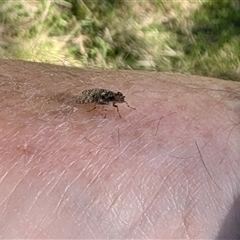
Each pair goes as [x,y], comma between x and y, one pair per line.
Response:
[80,100]
[85,98]
[98,96]
[87,92]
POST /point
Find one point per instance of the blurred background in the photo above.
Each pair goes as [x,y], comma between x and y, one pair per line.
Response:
[199,37]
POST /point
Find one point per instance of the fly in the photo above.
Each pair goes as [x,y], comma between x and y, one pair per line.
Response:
[100,96]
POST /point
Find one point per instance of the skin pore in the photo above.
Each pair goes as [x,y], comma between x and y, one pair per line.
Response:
[169,169]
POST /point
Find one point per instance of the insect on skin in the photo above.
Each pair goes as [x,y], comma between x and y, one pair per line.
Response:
[102,97]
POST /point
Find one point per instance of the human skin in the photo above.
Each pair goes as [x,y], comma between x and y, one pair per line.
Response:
[167,170]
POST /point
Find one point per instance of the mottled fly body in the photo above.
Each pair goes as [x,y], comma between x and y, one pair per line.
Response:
[100,96]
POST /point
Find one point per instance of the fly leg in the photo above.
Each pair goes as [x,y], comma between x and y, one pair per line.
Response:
[116,106]
[129,106]
[92,108]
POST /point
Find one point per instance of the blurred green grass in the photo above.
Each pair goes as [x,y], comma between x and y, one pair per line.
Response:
[198,37]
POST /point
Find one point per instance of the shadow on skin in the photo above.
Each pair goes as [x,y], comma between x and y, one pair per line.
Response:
[230,227]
